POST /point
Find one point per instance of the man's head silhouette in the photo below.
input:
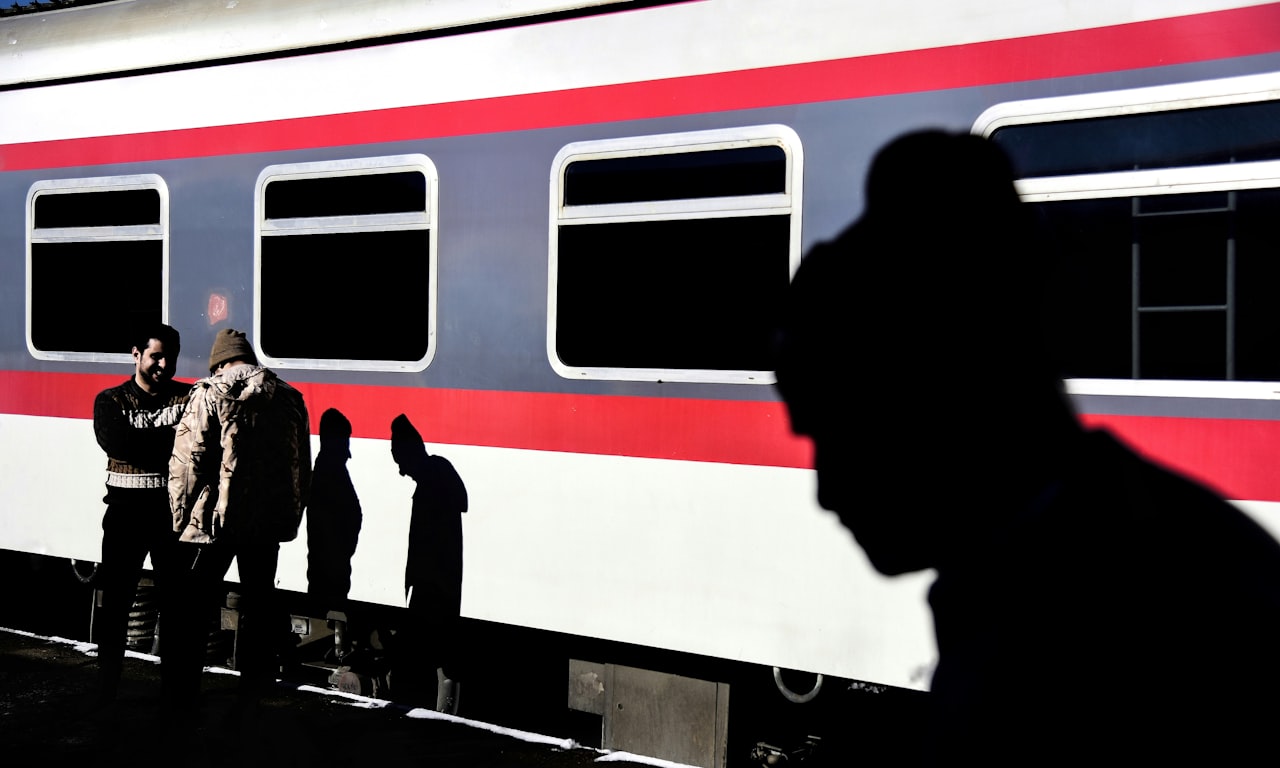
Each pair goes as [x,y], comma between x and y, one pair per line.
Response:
[910,352]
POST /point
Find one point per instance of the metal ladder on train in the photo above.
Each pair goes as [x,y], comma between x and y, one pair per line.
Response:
[1152,219]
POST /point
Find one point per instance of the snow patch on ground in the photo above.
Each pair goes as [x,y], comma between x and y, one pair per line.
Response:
[532,738]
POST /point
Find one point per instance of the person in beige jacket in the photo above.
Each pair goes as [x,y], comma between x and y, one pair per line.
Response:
[238,484]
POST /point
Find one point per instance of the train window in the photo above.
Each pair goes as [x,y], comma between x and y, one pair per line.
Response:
[1162,229]
[97,265]
[1203,136]
[720,173]
[670,254]
[1168,286]
[394,192]
[345,264]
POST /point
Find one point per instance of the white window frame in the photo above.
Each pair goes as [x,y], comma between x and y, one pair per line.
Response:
[1159,181]
[141,232]
[426,219]
[1161,98]
[787,202]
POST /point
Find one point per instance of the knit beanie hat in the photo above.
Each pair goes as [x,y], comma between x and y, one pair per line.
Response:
[230,344]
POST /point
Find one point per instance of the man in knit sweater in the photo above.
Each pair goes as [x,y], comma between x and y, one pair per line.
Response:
[134,423]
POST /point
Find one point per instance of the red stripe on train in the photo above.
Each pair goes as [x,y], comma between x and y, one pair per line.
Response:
[1236,457]
[732,432]
[1184,39]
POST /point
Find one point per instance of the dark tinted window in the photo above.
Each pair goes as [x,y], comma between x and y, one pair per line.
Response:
[89,296]
[346,296]
[686,294]
[355,285]
[677,176]
[358,195]
[1206,136]
[97,263]
[1177,287]
[97,209]
[671,255]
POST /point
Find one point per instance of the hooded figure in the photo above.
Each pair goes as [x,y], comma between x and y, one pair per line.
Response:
[242,456]
[434,568]
[238,483]
[433,571]
[333,516]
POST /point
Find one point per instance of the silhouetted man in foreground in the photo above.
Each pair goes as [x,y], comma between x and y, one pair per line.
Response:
[1090,607]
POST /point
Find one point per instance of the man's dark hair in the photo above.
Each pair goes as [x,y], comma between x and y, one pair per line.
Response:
[925,288]
[165,334]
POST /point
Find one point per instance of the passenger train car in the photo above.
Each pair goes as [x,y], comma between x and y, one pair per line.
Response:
[554,233]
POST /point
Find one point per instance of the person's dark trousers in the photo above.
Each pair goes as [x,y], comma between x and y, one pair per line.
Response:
[427,642]
[197,595]
[200,572]
[263,622]
[413,661]
[137,523]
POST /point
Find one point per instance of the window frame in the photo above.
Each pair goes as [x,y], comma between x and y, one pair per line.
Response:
[1172,180]
[428,219]
[1161,98]
[112,233]
[788,202]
